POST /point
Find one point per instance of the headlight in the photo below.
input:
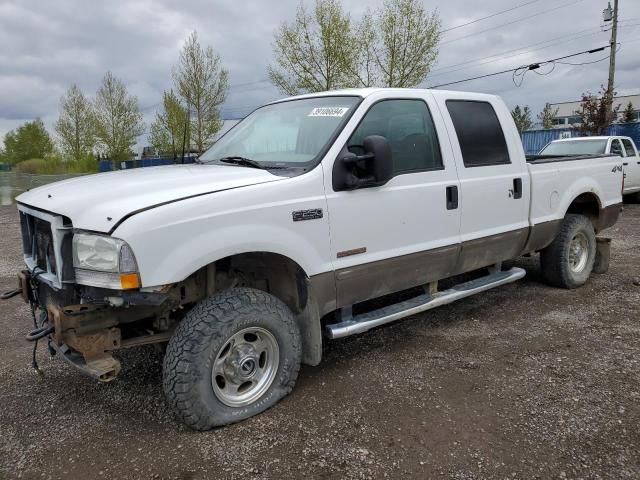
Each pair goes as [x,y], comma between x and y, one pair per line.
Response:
[102,261]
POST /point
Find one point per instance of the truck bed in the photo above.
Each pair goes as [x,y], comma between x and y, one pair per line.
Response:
[557,180]
[537,159]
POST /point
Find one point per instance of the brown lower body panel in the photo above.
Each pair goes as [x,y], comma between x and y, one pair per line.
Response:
[608,216]
[482,252]
[541,235]
[375,279]
[359,283]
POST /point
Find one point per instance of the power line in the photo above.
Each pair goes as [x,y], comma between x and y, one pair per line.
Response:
[488,16]
[511,23]
[500,55]
[532,66]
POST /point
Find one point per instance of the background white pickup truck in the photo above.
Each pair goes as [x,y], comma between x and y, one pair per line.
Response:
[299,216]
[607,145]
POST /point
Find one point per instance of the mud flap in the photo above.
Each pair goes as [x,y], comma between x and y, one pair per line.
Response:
[603,255]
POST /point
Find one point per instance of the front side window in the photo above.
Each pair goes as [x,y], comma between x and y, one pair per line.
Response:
[616,148]
[408,127]
[479,132]
[286,134]
[628,147]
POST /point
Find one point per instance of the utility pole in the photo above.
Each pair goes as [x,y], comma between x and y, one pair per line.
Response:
[612,53]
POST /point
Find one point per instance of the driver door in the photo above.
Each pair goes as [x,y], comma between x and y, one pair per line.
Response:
[406,232]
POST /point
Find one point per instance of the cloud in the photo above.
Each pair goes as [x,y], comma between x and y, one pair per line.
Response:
[49,45]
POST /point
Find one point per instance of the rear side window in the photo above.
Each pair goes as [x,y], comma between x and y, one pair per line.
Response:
[479,132]
[628,148]
[616,148]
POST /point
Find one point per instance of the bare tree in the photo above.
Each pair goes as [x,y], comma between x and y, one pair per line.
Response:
[75,126]
[203,84]
[313,53]
[547,115]
[118,120]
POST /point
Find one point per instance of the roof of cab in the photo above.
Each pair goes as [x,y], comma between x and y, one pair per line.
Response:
[365,92]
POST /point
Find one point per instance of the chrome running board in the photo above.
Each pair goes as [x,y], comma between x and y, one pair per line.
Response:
[366,321]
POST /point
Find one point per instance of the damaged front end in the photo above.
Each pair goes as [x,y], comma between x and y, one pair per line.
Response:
[86,324]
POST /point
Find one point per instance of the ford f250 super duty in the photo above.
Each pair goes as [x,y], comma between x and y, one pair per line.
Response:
[288,228]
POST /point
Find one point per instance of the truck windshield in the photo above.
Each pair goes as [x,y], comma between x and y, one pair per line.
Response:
[576,147]
[286,134]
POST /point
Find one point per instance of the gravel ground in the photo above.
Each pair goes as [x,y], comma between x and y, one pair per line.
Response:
[524,381]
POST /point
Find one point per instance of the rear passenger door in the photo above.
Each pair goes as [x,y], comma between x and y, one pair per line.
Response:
[631,165]
[494,180]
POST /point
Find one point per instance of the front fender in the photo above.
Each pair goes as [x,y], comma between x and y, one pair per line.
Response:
[173,241]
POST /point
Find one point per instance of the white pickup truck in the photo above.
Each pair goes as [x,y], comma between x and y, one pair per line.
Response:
[607,145]
[292,222]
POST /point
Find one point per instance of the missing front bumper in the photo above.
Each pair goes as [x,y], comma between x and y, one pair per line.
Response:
[102,367]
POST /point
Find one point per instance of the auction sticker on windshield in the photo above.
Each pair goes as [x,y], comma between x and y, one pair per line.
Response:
[328,111]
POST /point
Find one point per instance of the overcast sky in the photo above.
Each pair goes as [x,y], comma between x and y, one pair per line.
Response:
[46,45]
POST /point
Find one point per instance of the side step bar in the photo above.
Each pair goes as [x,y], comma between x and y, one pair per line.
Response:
[366,321]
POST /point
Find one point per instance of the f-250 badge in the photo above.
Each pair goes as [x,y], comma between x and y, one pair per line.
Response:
[311,214]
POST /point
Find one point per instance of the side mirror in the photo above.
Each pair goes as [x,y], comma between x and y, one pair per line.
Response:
[373,168]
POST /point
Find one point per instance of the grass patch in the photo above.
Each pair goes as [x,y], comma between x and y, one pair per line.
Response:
[54,165]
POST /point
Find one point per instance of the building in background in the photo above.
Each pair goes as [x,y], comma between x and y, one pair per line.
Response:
[566,116]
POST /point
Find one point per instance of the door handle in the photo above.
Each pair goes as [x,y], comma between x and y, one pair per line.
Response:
[625,163]
[517,188]
[452,197]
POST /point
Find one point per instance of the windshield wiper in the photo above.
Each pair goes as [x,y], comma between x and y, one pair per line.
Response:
[246,162]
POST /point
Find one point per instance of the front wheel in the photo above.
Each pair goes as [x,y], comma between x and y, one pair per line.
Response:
[568,261]
[234,355]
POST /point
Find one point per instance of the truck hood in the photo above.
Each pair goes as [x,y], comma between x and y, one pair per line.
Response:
[98,202]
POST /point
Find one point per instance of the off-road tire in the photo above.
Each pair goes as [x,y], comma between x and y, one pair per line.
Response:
[188,363]
[554,259]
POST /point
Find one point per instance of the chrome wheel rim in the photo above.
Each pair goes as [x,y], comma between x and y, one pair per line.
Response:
[578,252]
[245,366]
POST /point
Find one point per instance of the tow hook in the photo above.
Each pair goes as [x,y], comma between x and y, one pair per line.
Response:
[10,294]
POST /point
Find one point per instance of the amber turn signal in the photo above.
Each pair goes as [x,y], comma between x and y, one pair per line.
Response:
[129,280]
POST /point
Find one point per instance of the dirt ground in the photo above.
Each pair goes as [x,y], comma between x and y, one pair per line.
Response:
[524,381]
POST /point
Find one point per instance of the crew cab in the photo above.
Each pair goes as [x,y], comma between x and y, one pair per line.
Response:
[604,145]
[299,226]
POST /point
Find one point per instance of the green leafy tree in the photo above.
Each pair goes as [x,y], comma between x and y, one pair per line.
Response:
[30,140]
[394,46]
[547,115]
[118,120]
[522,118]
[315,52]
[597,112]
[75,126]
[202,83]
[629,114]
[167,132]
[405,44]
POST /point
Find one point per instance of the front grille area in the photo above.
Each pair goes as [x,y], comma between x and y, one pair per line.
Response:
[46,242]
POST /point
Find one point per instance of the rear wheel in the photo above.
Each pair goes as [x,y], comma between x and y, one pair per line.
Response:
[568,261]
[235,355]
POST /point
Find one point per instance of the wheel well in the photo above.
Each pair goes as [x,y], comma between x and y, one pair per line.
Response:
[587,204]
[270,272]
